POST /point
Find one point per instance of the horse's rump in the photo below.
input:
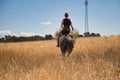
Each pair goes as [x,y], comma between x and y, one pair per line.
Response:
[66,44]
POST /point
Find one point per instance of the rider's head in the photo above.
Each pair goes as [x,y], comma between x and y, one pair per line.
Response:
[66,14]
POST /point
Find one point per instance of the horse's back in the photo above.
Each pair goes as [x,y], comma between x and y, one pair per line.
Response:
[66,37]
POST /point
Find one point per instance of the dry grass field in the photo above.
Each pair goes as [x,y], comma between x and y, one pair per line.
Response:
[92,59]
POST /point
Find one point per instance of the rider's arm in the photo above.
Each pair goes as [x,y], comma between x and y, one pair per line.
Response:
[62,24]
[72,26]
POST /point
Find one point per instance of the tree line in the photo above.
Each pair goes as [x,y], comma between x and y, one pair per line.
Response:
[9,38]
[75,34]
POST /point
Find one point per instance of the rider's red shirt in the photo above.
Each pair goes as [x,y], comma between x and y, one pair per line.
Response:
[66,22]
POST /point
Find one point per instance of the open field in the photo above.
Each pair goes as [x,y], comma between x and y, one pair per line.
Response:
[92,59]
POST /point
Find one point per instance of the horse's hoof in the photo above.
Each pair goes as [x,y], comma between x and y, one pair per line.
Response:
[57,46]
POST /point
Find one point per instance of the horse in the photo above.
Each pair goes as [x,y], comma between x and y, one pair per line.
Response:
[66,43]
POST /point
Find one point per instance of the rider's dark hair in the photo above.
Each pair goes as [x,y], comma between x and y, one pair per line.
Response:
[66,14]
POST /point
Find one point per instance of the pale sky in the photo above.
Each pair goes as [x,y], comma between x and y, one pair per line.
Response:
[40,17]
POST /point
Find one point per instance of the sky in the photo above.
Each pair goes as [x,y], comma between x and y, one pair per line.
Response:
[41,17]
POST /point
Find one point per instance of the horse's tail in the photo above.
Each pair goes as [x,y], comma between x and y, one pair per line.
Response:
[63,44]
[66,44]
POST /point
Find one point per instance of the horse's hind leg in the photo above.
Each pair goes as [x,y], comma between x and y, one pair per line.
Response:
[68,54]
[69,51]
[63,54]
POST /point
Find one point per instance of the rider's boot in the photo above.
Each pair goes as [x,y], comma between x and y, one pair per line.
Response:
[58,42]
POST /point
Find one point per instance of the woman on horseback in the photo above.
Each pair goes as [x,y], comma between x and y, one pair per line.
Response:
[65,24]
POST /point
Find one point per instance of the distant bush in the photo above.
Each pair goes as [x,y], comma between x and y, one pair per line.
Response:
[95,35]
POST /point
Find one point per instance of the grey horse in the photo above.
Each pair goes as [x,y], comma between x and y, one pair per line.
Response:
[66,43]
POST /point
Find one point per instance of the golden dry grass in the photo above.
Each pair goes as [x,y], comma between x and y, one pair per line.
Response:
[91,59]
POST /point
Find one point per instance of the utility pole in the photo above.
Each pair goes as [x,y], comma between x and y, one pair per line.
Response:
[86,34]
